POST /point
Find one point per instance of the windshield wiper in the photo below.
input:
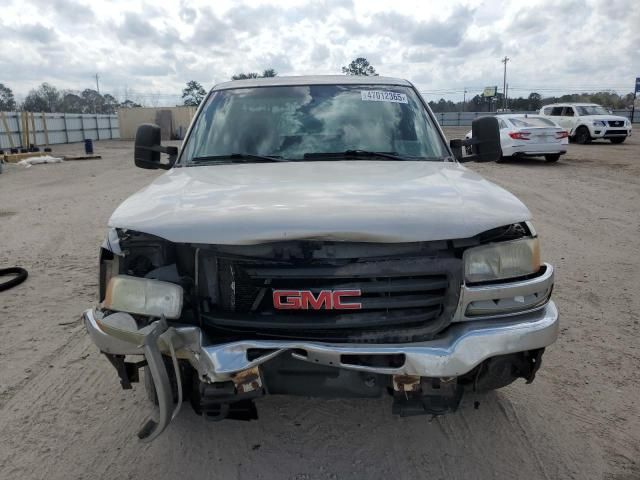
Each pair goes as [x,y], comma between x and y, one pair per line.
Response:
[238,158]
[357,155]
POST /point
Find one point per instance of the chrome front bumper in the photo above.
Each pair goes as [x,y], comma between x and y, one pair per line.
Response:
[462,347]
[477,333]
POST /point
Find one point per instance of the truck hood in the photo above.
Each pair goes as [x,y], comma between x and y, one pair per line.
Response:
[606,118]
[358,201]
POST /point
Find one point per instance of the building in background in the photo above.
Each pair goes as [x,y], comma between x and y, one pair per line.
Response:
[173,121]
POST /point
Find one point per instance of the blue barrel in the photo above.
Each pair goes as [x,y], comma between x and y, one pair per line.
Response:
[88,146]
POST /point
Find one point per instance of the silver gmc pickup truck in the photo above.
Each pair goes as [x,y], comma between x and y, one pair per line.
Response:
[318,236]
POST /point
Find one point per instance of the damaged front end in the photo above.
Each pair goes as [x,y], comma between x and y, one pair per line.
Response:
[214,327]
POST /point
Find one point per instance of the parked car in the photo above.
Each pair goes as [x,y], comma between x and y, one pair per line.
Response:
[588,121]
[524,135]
[318,236]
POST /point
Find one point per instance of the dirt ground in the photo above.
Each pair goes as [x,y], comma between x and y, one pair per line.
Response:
[63,415]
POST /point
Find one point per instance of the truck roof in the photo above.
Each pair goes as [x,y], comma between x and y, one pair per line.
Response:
[573,104]
[311,80]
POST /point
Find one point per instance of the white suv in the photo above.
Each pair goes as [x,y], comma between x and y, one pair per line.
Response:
[588,121]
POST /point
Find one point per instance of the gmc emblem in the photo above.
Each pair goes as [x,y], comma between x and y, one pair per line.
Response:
[306,300]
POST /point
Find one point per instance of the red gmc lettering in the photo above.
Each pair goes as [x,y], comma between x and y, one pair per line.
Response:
[306,300]
[340,305]
[291,299]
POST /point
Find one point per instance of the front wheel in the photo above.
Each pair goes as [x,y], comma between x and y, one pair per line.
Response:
[583,136]
[552,158]
[618,139]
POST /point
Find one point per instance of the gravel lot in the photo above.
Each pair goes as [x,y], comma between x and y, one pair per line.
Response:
[63,416]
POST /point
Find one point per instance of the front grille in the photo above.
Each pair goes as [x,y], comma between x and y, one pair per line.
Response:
[401,299]
[616,123]
[615,132]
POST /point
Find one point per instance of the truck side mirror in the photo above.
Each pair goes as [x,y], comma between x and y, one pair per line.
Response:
[484,143]
[148,148]
[486,140]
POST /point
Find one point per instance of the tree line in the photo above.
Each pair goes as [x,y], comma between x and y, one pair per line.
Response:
[47,98]
[532,102]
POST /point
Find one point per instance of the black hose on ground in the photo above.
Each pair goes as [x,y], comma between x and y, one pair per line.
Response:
[20,276]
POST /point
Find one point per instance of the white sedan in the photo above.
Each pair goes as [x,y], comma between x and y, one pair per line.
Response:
[524,135]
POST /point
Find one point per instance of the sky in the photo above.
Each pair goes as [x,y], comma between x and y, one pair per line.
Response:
[150,49]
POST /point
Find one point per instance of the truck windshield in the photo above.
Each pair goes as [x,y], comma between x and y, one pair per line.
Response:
[314,122]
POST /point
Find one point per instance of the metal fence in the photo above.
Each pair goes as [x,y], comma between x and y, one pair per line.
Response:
[464,119]
[21,129]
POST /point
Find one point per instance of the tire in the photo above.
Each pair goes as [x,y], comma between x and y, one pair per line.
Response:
[618,139]
[552,158]
[503,159]
[20,276]
[583,136]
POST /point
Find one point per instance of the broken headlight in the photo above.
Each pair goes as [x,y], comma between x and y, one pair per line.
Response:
[143,296]
[499,261]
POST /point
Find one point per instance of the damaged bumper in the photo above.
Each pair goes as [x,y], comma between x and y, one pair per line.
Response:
[461,348]
[486,327]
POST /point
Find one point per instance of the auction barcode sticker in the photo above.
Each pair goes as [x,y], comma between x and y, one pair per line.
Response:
[382,96]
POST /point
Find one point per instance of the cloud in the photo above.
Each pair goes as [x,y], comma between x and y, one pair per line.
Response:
[529,20]
[447,32]
[34,33]
[152,70]
[280,62]
[209,30]
[319,53]
[67,11]
[159,46]
[245,18]
[135,29]
[187,13]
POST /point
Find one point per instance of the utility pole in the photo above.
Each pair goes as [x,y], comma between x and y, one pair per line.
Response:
[506,96]
[504,81]
[95,107]
[635,96]
[464,98]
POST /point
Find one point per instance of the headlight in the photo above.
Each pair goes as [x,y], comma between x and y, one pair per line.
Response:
[599,123]
[143,296]
[497,261]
